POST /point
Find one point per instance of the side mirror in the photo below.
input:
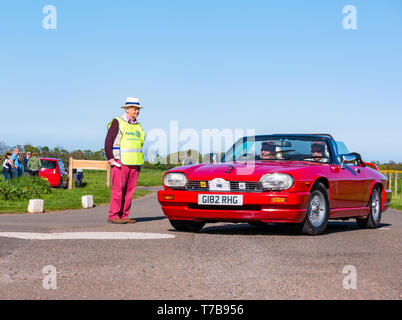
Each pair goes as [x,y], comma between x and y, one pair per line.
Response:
[348,158]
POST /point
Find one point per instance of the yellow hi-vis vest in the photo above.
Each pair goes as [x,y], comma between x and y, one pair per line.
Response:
[131,141]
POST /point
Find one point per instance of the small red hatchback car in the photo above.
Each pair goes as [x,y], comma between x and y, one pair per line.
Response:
[303,180]
[54,171]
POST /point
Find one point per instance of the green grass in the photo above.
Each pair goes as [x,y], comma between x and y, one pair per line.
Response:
[94,184]
[396,203]
[149,178]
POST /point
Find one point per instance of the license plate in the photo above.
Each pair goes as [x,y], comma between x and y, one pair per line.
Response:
[221,199]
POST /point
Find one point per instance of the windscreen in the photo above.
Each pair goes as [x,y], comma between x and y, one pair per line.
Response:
[280,148]
[340,149]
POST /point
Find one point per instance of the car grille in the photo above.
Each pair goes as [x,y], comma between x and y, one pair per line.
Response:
[251,186]
[246,207]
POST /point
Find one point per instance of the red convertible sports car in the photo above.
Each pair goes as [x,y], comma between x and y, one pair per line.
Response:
[298,179]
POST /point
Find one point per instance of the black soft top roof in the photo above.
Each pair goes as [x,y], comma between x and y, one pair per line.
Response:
[327,135]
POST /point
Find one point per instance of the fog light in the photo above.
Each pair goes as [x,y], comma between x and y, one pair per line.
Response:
[168,197]
[278,200]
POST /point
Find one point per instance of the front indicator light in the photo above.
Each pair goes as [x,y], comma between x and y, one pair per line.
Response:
[168,197]
[278,200]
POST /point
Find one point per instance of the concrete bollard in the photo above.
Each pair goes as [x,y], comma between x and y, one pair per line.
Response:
[87,202]
[35,206]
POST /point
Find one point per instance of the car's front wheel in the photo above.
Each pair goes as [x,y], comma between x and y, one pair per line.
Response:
[317,216]
[374,217]
[185,225]
[257,224]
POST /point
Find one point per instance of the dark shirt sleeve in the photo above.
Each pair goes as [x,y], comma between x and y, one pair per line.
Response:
[110,137]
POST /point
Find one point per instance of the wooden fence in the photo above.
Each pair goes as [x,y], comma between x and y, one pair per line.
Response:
[393,174]
[104,165]
[87,164]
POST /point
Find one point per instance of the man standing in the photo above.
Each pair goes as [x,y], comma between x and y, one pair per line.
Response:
[123,148]
[14,162]
[34,164]
[189,159]
[7,166]
[26,159]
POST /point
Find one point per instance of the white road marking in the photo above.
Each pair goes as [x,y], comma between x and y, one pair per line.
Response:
[86,235]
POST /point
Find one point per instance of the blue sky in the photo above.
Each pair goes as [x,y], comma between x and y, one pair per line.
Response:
[275,66]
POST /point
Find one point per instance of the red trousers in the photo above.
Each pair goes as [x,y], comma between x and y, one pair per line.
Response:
[124,182]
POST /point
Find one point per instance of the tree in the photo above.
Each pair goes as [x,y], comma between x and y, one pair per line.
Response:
[78,154]
[4,148]
[30,148]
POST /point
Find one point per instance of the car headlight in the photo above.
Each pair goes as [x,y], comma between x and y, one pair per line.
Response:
[175,179]
[276,181]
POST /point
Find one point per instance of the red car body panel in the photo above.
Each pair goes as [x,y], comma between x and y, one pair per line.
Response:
[53,176]
[349,191]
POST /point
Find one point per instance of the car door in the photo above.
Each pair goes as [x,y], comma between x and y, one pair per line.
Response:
[350,181]
[350,186]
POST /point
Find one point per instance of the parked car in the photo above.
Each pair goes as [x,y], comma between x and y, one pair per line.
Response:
[291,184]
[54,171]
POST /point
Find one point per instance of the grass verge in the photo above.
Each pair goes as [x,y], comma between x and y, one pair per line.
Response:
[396,203]
[94,183]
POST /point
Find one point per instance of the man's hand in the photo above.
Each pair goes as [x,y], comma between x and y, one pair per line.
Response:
[111,161]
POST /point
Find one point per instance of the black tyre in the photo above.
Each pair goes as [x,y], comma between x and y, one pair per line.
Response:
[257,224]
[374,217]
[317,216]
[185,225]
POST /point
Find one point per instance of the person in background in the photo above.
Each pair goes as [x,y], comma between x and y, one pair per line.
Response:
[78,175]
[7,166]
[19,165]
[14,162]
[26,159]
[123,148]
[34,164]
[189,159]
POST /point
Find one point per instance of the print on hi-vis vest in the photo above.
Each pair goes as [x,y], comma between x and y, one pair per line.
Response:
[137,135]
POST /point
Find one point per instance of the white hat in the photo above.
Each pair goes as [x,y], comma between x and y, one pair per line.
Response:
[132,102]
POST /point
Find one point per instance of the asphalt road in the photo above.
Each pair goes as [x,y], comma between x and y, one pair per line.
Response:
[223,261]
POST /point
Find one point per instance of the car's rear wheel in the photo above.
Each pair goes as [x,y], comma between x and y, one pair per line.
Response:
[374,217]
[317,215]
[184,225]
